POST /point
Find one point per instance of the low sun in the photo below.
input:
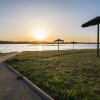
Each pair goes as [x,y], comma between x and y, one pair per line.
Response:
[39,35]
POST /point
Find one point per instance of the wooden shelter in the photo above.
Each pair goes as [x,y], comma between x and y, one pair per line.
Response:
[73,44]
[95,21]
[58,41]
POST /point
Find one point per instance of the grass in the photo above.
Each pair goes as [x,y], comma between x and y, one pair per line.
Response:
[3,54]
[64,75]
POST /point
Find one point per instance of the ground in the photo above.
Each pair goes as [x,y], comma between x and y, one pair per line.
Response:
[12,88]
[70,74]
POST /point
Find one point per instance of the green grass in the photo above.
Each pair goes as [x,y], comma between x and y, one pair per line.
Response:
[65,75]
[3,54]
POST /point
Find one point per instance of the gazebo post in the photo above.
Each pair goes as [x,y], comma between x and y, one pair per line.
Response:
[58,45]
[98,40]
[73,46]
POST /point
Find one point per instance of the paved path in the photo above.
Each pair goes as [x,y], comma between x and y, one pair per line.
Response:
[3,58]
[12,88]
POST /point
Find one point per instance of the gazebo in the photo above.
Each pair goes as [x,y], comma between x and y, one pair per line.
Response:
[73,44]
[95,21]
[58,41]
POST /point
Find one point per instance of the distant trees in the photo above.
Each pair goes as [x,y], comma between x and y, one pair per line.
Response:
[24,42]
[58,41]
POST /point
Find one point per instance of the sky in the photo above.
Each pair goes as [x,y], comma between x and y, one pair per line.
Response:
[29,20]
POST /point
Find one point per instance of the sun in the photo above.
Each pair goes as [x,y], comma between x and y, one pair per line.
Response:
[39,35]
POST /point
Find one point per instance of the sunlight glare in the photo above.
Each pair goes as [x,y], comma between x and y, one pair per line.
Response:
[40,35]
[40,48]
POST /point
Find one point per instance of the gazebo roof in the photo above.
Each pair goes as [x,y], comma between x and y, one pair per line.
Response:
[58,40]
[94,21]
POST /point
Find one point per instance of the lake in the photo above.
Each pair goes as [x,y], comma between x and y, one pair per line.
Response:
[6,48]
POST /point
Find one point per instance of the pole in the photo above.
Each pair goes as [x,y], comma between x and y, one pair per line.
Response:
[73,46]
[58,45]
[98,40]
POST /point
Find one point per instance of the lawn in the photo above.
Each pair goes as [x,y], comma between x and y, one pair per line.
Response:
[64,75]
[3,54]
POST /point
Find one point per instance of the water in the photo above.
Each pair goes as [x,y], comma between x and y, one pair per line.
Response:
[6,48]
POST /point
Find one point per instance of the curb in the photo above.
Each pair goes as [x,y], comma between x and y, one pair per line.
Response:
[40,92]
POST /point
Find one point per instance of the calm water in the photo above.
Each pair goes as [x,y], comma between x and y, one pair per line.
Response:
[5,48]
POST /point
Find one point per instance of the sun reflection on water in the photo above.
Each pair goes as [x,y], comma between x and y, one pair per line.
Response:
[40,47]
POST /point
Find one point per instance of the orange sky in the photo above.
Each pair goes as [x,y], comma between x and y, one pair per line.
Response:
[21,20]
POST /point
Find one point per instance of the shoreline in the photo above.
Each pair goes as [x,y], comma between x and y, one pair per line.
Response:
[47,50]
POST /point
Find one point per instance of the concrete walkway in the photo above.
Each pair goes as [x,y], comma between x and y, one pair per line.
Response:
[12,88]
[3,58]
